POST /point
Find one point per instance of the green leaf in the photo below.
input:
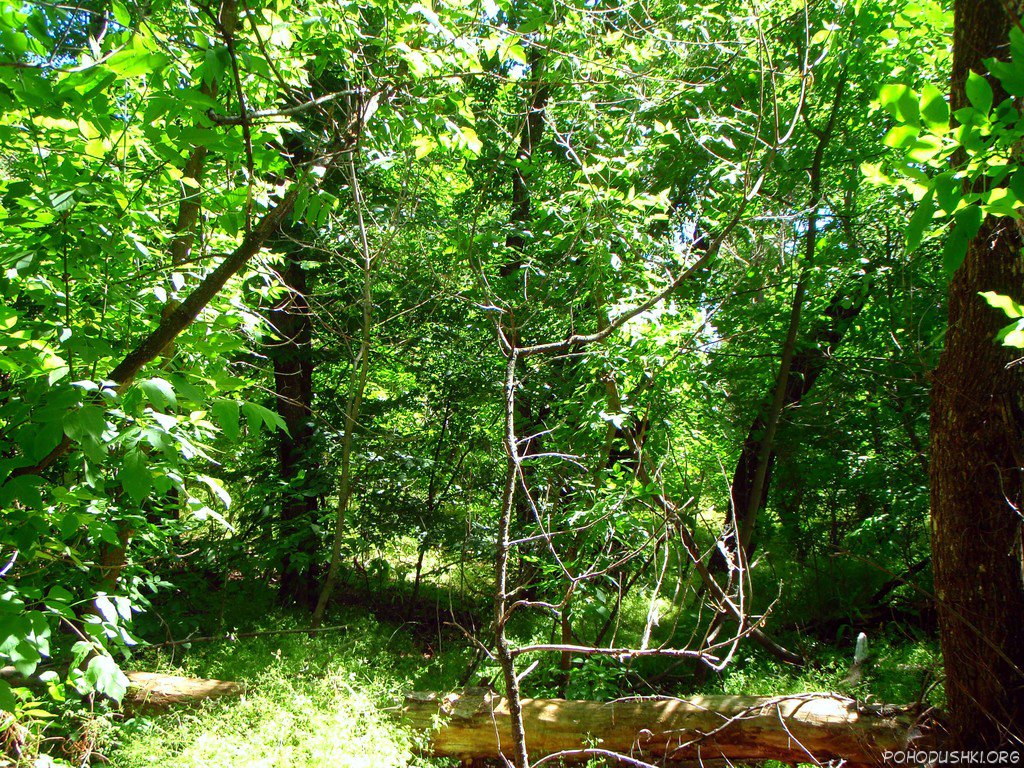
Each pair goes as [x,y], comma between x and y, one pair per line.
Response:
[1009,76]
[948,191]
[121,15]
[159,392]
[104,676]
[1009,307]
[967,223]
[226,412]
[135,477]
[135,62]
[217,488]
[7,698]
[25,489]
[1012,335]
[1016,44]
[901,102]
[94,420]
[922,218]
[106,608]
[25,657]
[47,437]
[979,92]
[901,136]
[256,415]
[934,109]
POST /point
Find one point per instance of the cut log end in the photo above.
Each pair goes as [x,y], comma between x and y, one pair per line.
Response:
[813,727]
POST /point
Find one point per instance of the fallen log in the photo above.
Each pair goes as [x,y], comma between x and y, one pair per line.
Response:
[149,692]
[803,728]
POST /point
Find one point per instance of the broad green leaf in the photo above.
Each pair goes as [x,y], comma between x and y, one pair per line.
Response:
[967,223]
[948,191]
[901,136]
[7,697]
[1010,76]
[159,392]
[921,218]
[106,608]
[1000,301]
[226,412]
[135,477]
[934,109]
[134,62]
[25,489]
[901,102]
[1012,336]
[979,92]
[217,487]
[121,15]
[25,657]
[104,676]
[256,415]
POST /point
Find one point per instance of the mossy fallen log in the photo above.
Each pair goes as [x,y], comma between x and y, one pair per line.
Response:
[804,728]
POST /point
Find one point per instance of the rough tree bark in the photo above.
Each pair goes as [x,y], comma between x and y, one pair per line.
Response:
[976,485]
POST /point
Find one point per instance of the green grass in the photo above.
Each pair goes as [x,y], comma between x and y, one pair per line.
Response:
[312,701]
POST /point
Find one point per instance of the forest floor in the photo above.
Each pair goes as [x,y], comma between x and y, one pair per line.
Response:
[319,701]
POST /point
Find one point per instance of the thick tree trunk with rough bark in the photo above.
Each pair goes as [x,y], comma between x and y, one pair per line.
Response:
[976,422]
[805,728]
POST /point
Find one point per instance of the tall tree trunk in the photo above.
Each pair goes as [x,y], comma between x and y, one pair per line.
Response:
[293,384]
[530,411]
[976,487]
[809,362]
[749,490]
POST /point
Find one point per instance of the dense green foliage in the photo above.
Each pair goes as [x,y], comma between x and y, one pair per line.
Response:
[263,265]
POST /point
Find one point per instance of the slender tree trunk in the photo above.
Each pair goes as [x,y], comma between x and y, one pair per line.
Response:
[749,490]
[357,385]
[530,411]
[502,651]
[114,558]
[976,457]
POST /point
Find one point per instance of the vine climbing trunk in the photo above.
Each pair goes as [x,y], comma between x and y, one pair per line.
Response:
[977,416]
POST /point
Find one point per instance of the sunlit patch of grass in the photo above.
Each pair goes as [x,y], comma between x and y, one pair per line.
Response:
[312,701]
